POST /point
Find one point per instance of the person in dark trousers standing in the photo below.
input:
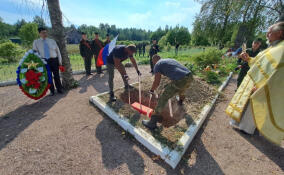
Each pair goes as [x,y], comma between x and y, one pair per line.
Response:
[144,48]
[176,50]
[154,49]
[243,65]
[114,60]
[49,51]
[107,40]
[86,53]
[96,46]
[181,78]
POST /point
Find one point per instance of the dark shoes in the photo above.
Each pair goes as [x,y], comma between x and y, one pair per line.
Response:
[126,87]
[51,94]
[152,123]
[180,102]
[112,98]
[58,91]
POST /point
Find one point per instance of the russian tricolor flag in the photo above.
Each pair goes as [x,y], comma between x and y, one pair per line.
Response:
[105,51]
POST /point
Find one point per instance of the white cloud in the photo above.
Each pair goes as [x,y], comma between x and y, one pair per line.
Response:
[139,17]
[174,18]
[172,4]
[28,3]
[141,20]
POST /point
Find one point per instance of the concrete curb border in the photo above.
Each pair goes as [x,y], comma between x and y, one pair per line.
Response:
[172,157]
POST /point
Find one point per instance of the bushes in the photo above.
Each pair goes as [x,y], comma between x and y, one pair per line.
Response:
[209,57]
[10,52]
[212,77]
[125,42]
[28,33]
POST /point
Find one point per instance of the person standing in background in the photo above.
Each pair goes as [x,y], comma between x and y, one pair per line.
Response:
[107,40]
[243,65]
[144,48]
[49,51]
[139,48]
[176,50]
[86,53]
[153,51]
[96,46]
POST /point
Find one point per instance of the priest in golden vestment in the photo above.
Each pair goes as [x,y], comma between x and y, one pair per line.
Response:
[259,101]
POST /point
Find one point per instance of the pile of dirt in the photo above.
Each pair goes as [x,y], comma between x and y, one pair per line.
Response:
[197,96]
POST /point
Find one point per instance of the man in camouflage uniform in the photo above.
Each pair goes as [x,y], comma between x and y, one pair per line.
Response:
[181,79]
[97,45]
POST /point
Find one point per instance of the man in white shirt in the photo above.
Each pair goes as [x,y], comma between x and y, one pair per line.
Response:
[48,50]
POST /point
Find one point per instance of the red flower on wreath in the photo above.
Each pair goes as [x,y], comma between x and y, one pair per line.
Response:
[33,79]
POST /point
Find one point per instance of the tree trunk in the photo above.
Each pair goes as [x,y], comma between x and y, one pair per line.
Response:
[55,14]
[226,20]
[241,35]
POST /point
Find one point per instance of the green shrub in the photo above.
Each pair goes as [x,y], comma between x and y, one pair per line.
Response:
[209,57]
[28,33]
[143,62]
[212,77]
[10,52]
[126,42]
[191,67]
[223,71]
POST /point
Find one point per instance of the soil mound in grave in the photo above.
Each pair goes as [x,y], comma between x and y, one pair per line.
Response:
[197,96]
[172,129]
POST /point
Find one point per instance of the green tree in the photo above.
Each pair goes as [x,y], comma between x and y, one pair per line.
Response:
[39,21]
[218,20]
[6,30]
[18,25]
[158,34]
[28,33]
[178,35]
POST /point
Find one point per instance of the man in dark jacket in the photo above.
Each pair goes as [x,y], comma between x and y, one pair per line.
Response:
[114,60]
[96,46]
[86,53]
[154,49]
[243,65]
[107,40]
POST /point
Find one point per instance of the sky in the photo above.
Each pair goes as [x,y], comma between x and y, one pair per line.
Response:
[144,14]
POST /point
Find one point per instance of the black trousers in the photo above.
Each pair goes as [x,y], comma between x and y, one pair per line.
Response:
[88,63]
[99,68]
[242,74]
[151,63]
[54,68]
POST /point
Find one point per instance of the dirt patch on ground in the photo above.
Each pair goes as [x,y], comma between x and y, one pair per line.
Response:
[172,128]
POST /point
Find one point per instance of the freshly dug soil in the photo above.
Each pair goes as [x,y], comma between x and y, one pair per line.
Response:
[172,128]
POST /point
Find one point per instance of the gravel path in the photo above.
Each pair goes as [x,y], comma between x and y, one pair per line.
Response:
[65,134]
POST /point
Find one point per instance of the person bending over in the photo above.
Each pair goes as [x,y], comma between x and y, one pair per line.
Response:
[181,79]
[114,60]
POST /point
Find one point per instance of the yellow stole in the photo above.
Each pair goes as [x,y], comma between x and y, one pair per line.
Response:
[267,102]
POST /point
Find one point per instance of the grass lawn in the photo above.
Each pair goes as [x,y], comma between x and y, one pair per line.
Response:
[8,71]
